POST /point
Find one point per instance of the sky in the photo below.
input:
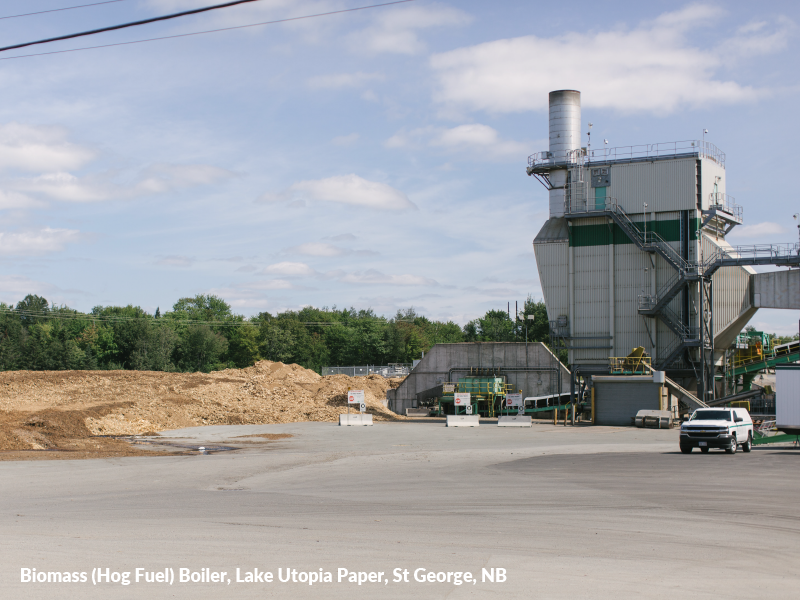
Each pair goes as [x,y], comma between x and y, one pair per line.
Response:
[373,159]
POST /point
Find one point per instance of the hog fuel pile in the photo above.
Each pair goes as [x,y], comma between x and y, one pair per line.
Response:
[66,410]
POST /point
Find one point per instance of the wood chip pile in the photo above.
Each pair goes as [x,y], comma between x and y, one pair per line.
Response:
[39,408]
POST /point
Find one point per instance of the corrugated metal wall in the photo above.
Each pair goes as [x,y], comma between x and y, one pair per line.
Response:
[552,261]
[709,171]
[731,291]
[666,185]
[617,401]
[591,318]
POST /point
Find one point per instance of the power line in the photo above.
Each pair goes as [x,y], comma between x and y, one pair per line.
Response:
[184,13]
[52,10]
[165,320]
[169,37]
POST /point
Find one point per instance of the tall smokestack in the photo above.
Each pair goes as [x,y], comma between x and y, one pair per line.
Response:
[565,136]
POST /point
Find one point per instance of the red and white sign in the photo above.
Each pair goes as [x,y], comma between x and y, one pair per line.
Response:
[355,397]
[461,399]
[513,400]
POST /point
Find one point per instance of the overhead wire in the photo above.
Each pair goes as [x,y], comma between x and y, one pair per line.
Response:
[77,316]
[174,16]
[184,13]
[52,10]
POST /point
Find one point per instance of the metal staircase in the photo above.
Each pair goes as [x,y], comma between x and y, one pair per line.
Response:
[657,305]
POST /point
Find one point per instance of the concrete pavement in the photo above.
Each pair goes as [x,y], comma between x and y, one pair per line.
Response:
[584,512]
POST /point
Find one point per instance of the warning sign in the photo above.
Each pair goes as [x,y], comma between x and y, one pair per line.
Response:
[461,399]
[355,397]
[448,388]
[513,400]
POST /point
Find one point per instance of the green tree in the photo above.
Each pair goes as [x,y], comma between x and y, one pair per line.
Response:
[243,346]
[201,349]
[202,308]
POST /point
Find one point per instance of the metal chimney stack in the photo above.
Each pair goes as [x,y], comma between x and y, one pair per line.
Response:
[565,137]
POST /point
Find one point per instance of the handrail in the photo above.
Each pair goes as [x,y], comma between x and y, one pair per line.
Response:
[698,148]
[725,203]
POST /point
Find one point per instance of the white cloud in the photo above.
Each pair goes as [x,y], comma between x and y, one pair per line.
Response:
[650,68]
[317,249]
[163,177]
[325,250]
[33,243]
[289,269]
[349,189]
[376,277]
[342,237]
[758,230]
[478,137]
[395,30]
[481,140]
[174,260]
[69,188]
[14,288]
[13,199]
[39,148]
[272,284]
[338,81]
[154,179]
[345,140]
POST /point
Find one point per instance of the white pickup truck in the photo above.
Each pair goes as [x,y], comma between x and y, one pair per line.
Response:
[725,428]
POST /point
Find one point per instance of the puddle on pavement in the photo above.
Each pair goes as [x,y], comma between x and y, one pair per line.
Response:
[201,449]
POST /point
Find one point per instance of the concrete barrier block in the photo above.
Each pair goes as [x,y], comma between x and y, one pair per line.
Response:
[417,412]
[514,421]
[356,419]
[655,419]
[463,420]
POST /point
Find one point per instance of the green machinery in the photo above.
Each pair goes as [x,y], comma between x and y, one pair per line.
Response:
[487,395]
[755,352]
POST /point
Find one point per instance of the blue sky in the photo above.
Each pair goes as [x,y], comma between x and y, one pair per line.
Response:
[373,159]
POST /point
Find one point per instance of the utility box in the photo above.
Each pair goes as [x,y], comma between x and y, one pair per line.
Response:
[787,398]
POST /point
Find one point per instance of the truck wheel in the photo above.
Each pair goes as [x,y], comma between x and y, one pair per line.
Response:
[748,445]
[686,449]
[733,447]
[704,449]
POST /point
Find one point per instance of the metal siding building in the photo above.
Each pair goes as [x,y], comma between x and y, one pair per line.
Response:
[622,275]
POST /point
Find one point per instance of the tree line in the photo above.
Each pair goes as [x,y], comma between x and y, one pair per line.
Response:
[203,334]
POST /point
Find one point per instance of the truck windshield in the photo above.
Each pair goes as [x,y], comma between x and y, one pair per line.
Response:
[711,415]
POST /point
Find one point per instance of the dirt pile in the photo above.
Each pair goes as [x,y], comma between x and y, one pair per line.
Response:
[64,409]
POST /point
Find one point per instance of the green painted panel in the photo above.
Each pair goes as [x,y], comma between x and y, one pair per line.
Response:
[603,234]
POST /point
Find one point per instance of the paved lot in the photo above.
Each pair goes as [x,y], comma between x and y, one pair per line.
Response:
[568,512]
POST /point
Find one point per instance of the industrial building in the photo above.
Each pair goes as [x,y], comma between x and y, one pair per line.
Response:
[634,253]
[531,369]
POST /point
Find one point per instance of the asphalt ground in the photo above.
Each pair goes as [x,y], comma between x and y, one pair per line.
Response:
[568,512]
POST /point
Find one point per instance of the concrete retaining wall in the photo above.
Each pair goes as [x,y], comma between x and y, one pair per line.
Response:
[437,368]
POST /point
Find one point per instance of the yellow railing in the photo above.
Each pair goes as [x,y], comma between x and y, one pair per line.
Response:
[630,364]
